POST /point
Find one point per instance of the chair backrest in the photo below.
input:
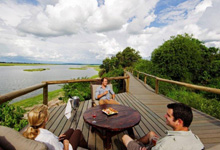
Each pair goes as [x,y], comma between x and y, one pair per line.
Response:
[13,140]
[94,87]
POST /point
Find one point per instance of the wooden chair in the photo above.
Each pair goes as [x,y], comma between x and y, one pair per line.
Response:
[13,140]
[93,89]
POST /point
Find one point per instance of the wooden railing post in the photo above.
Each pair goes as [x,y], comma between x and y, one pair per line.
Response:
[127,85]
[145,79]
[45,94]
[157,86]
[124,81]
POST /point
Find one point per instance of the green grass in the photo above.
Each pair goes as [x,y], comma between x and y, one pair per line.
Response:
[38,69]
[29,102]
[82,68]
[95,76]
[96,67]
[21,64]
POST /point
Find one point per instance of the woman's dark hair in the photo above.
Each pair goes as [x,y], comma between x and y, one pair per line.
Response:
[183,112]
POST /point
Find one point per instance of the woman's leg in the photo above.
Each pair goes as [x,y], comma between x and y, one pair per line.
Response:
[77,139]
[68,133]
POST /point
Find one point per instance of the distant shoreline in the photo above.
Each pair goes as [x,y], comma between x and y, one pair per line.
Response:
[36,64]
[22,64]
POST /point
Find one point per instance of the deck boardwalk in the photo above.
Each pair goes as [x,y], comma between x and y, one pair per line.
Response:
[152,108]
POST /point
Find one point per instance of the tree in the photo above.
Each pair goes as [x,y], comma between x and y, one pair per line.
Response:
[105,64]
[128,57]
[180,58]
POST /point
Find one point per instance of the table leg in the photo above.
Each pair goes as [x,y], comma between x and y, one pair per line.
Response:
[92,129]
[131,132]
[107,141]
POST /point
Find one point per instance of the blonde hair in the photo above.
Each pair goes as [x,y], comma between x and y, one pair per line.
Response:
[36,119]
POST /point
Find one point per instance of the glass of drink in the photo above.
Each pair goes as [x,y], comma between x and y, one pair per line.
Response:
[154,140]
[93,116]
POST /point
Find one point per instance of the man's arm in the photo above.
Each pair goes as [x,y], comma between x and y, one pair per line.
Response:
[113,96]
[97,95]
[103,94]
[111,92]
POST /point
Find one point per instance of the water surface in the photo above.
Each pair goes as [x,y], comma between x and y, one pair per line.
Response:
[14,78]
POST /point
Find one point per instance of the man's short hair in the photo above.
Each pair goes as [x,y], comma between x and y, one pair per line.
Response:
[183,112]
[103,79]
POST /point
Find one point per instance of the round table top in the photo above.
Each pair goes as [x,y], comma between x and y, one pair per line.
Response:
[125,118]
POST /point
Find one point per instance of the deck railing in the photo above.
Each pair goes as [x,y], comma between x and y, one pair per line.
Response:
[192,86]
[44,85]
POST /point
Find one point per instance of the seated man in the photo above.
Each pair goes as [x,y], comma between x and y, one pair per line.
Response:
[103,93]
[179,117]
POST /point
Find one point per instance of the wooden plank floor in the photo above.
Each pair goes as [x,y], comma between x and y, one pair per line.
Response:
[152,108]
[205,126]
[149,121]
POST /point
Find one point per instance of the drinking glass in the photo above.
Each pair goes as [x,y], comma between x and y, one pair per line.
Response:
[154,140]
[94,116]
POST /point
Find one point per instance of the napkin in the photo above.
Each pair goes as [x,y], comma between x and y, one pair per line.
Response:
[68,110]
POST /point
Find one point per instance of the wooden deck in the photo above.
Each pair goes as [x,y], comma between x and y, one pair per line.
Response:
[152,108]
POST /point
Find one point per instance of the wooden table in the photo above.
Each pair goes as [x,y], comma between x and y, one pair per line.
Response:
[108,126]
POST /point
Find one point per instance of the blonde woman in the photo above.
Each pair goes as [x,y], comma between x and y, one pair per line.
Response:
[37,119]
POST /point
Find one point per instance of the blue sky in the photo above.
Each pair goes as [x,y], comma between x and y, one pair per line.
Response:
[89,31]
[33,2]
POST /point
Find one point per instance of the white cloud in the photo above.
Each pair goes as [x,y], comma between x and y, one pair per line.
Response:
[12,13]
[65,18]
[83,31]
[106,48]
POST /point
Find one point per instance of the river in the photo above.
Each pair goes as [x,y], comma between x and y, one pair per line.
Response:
[14,78]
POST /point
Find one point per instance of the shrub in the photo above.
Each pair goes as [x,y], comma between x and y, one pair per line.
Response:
[81,89]
[11,116]
[197,101]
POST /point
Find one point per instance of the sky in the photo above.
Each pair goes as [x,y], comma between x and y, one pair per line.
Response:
[88,31]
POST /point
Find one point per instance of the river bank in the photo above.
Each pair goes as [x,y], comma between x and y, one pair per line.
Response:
[54,98]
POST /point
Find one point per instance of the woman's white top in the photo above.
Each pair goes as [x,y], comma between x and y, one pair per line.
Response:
[51,140]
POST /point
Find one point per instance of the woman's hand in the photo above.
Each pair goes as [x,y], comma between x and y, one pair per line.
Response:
[61,137]
[66,144]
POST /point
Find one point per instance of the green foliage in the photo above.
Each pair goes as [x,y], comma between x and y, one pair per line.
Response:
[209,106]
[128,57]
[80,89]
[11,116]
[117,84]
[124,59]
[214,83]
[179,58]
[184,58]
[144,66]
[101,72]
[113,67]
[38,69]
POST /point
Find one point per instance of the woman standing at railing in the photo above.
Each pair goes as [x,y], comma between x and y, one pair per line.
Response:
[37,119]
